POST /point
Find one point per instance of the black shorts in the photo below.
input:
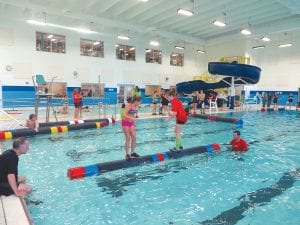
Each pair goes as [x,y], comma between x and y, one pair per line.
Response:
[180,122]
[77,105]
[5,189]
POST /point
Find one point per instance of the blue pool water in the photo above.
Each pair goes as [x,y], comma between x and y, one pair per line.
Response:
[187,191]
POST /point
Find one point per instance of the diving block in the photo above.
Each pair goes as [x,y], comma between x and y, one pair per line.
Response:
[90,170]
[238,122]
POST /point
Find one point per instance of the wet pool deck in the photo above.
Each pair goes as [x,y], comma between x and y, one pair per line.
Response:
[13,211]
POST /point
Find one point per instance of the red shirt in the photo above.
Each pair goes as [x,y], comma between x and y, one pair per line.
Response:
[240,145]
[76,98]
[177,107]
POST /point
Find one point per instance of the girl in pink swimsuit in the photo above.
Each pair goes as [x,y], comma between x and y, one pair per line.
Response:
[128,119]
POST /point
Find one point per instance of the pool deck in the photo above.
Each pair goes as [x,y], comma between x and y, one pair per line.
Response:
[13,210]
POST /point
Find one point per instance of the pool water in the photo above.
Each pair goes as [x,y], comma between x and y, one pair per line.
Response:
[199,189]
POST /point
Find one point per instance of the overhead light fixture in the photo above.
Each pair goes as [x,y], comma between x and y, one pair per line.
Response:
[246,31]
[81,30]
[148,50]
[53,39]
[96,43]
[266,39]
[144,0]
[123,37]
[285,45]
[132,48]
[50,36]
[185,12]
[219,23]
[35,22]
[201,51]
[179,47]
[154,43]
[258,47]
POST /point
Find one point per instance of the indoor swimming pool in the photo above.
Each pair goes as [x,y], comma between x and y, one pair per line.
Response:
[258,187]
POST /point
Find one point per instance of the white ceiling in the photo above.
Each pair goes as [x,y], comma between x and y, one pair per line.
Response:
[160,18]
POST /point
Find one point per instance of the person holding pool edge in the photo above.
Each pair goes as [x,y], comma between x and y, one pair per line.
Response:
[177,111]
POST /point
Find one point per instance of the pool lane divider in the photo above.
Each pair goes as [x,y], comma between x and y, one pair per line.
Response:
[218,118]
[9,134]
[90,170]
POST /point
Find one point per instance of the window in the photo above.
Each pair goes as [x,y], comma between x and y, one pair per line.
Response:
[176,59]
[50,42]
[153,56]
[125,52]
[92,90]
[91,48]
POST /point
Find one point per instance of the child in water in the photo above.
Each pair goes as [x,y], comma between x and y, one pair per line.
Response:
[32,122]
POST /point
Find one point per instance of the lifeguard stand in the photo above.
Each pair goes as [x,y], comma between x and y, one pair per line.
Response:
[41,93]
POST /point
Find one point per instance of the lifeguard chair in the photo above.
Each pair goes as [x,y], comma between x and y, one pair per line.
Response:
[42,92]
[213,105]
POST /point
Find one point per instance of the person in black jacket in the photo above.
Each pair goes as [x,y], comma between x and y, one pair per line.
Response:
[10,182]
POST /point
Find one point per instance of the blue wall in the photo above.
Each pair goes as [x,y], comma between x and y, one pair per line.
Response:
[24,96]
[283,96]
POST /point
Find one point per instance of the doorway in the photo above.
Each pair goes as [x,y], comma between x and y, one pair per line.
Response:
[124,92]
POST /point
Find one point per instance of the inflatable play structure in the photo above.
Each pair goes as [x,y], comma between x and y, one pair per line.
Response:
[84,171]
[235,74]
[56,127]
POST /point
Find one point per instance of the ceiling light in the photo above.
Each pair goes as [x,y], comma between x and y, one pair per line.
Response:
[179,47]
[50,36]
[201,51]
[265,38]
[53,39]
[154,43]
[219,23]
[258,47]
[148,50]
[81,30]
[35,22]
[143,0]
[123,37]
[246,31]
[185,12]
[96,43]
[131,49]
[285,45]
